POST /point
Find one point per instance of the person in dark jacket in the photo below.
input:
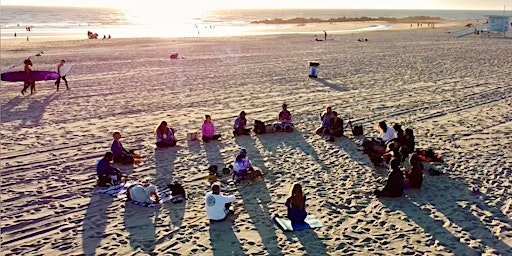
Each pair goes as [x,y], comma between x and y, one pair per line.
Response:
[107,175]
[395,184]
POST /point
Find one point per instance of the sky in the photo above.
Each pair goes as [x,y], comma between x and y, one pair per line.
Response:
[263,4]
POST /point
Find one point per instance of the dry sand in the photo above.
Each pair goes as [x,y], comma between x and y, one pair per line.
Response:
[455,93]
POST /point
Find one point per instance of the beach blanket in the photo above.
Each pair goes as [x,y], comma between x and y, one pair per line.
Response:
[429,156]
[119,191]
[286,225]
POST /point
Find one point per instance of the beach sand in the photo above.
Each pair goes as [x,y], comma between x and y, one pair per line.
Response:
[455,93]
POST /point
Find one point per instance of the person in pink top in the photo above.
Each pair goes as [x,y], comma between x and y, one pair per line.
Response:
[208,130]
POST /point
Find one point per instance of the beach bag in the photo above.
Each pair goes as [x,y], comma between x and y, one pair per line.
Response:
[357,130]
[259,127]
[269,128]
[177,191]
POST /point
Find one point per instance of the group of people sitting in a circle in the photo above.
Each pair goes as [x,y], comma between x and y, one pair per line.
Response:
[395,148]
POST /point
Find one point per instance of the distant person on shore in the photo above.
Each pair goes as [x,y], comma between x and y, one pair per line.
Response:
[218,206]
[296,205]
[325,117]
[208,130]
[395,184]
[240,127]
[14,34]
[120,154]
[29,82]
[57,83]
[107,175]
[165,136]
[325,35]
[109,37]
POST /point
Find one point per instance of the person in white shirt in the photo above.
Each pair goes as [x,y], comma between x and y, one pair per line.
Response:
[218,206]
[386,133]
[143,194]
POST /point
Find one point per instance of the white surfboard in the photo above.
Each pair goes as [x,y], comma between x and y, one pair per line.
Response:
[65,69]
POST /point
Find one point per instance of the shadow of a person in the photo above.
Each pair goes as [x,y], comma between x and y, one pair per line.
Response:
[140,222]
[312,245]
[213,154]
[223,240]
[7,114]
[36,109]
[256,198]
[331,85]
[164,165]
[95,222]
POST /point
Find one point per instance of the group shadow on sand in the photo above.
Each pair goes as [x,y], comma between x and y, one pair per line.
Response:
[142,223]
[32,115]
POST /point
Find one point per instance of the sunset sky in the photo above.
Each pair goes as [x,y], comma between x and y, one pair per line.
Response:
[236,4]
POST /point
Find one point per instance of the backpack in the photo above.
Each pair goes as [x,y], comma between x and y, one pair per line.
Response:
[176,189]
[357,130]
[259,127]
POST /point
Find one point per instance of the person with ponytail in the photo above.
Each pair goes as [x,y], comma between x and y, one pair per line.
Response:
[296,205]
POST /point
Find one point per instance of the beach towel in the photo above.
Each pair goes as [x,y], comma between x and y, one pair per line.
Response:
[429,156]
[119,191]
[286,225]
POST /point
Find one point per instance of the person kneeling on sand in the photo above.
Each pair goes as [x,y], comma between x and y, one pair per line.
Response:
[145,193]
[240,127]
[325,117]
[336,128]
[107,175]
[218,206]
[121,155]
[165,136]
[395,184]
[242,168]
[296,205]
[208,130]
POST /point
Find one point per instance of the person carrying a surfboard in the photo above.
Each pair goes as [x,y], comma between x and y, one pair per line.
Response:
[29,82]
[57,83]
[296,205]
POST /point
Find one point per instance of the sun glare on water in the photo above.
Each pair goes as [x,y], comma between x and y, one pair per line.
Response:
[158,15]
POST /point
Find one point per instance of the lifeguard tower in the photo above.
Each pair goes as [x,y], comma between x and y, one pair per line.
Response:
[495,25]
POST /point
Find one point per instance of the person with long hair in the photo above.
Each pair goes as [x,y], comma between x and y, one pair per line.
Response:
[208,130]
[29,81]
[414,175]
[296,205]
[164,136]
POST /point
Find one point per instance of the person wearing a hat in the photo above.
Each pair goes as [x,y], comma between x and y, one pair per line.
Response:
[218,206]
[243,169]
[285,116]
[240,125]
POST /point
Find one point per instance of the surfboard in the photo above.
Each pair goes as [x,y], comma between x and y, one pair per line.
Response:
[286,225]
[21,76]
[65,69]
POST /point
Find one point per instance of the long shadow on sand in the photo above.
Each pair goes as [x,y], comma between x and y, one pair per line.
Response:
[164,161]
[33,114]
[308,238]
[256,198]
[95,222]
[213,155]
[459,207]
[331,85]
[223,240]
[140,223]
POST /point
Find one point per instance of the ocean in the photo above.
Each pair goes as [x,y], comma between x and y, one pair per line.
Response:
[73,22]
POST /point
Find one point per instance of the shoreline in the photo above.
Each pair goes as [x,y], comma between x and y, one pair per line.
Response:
[336,28]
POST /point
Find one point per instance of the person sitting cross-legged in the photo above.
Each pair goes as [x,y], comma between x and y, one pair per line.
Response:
[218,206]
[243,169]
[208,130]
[165,136]
[107,175]
[296,205]
[240,127]
[395,184]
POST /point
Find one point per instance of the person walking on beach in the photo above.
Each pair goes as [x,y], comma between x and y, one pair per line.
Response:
[325,35]
[57,83]
[29,82]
